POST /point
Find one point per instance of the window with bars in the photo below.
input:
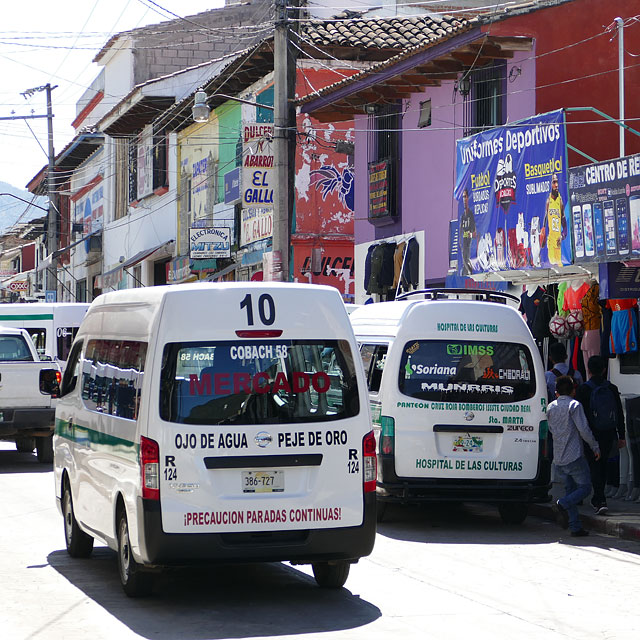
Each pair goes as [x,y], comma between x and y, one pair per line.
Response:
[485,107]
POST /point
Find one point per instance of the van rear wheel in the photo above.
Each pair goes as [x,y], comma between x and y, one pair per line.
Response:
[25,445]
[79,544]
[44,447]
[135,581]
[331,575]
[513,512]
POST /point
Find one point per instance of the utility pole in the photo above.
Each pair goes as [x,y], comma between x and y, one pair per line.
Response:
[284,74]
[52,218]
[52,231]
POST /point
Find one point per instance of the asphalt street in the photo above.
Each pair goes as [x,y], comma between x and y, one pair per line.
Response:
[445,573]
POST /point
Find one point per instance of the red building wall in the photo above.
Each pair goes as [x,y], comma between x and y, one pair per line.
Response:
[577,66]
[323,236]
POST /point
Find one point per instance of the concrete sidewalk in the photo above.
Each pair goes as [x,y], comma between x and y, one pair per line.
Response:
[622,520]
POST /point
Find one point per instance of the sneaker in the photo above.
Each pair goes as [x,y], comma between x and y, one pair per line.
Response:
[580,533]
[562,517]
[602,509]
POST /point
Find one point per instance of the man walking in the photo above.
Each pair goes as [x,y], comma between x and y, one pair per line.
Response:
[603,407]
[569,427]
[558,357]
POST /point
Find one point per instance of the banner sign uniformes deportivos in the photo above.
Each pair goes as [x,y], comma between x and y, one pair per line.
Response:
[511,188]
[605,210]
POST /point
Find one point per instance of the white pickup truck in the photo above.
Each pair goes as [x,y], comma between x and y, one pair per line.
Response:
[28,387]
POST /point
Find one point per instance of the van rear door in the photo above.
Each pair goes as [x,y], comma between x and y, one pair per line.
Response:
[259,434]
[466,409]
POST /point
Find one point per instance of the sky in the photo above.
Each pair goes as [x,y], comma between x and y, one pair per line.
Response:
[42,41]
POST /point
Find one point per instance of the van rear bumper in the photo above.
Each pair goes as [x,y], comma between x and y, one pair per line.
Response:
[298,547]
[395,489]
[26,422]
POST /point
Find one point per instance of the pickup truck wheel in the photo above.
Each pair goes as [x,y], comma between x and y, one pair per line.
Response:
[135,581]
[331,576]
[79,544]
[44,447]
[25,445]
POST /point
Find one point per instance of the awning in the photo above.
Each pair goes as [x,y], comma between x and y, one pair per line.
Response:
[113,276]
[59,252]
[222,272]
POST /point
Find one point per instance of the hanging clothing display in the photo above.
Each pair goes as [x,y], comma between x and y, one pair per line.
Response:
[546,310]
[562,287]
[529,304]
[367,267]
[573,297]
[411,269]
[591,311]
[624,329]
[398,260]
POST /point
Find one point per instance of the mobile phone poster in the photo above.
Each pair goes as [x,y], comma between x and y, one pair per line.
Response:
[511,193]
[605,207]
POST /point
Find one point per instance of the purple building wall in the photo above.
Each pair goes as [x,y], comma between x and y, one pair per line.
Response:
[428,165]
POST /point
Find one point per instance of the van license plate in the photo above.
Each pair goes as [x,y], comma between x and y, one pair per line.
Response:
[262,481]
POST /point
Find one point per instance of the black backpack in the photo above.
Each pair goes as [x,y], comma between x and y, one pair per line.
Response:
[603,406]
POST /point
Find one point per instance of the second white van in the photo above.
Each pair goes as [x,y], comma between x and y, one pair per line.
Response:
[217,423]
[458,399]
[52,326]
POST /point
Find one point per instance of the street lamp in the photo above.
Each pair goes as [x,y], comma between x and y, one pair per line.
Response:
[200,109]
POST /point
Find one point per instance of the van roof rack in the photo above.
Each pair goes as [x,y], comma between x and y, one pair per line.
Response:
[451,294]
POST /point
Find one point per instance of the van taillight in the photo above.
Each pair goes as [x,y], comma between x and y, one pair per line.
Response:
[58,377]
[370,468]
[387,435]
[150,466]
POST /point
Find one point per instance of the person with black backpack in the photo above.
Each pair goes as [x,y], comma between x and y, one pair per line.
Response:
[558,358]
[603,408]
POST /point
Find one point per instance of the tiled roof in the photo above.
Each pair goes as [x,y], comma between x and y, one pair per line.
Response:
[381,33]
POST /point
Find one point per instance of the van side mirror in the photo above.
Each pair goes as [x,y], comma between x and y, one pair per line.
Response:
[45,358]
[50,382]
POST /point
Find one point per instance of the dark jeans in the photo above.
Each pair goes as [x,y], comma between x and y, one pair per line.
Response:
[577,485]
[598,468]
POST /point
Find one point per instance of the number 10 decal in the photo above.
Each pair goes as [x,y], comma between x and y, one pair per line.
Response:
[266,309]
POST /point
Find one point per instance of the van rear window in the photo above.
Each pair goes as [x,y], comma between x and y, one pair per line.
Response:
[464,371]
[249,382]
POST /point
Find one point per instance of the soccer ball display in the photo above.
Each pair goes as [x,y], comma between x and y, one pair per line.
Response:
[559,327]
[575,322]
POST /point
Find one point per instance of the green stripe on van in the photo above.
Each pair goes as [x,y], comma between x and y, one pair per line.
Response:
[96,439]
[33,316]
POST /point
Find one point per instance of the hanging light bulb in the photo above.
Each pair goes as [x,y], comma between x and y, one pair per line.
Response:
[200,110]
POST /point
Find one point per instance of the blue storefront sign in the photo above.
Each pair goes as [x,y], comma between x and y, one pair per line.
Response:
[605,210]
[232,186]
[460,282]
[511,188]
[619,281]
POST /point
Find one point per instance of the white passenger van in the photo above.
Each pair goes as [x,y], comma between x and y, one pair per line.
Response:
[217,422]
[458,399]
[52,326]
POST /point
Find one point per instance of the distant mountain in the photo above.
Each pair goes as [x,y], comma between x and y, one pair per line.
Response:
[13,210]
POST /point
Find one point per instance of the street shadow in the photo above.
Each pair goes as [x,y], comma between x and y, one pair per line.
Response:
[239,601]
[468,523]
[453,523]
[16,462]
